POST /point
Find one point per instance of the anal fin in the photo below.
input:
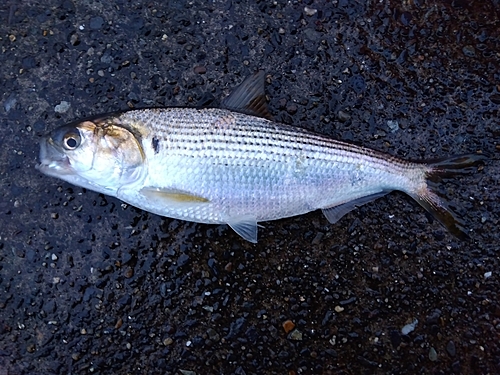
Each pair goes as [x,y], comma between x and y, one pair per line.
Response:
[335,213]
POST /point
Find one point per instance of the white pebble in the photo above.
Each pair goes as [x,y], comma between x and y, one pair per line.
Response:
[310,11]
[409,327]
[62,107]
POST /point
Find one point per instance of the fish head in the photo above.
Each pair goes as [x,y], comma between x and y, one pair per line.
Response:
[100,155]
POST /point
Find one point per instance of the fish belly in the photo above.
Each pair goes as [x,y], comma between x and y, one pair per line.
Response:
[261,189]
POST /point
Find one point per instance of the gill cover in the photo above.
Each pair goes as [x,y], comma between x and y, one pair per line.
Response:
[109,154]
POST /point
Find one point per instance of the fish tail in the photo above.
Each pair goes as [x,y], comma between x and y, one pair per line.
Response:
[433,201]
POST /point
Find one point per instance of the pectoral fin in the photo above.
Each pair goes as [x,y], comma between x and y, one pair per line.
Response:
[335,213]
[245,226]
[172,196]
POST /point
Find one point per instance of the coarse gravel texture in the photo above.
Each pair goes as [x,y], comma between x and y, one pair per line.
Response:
[89,285]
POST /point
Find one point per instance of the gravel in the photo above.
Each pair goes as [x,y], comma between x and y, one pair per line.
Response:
[88,285]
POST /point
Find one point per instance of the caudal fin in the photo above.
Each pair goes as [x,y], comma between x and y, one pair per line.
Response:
[431,200]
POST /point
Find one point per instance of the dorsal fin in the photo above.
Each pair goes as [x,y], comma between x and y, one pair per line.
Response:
[249,97]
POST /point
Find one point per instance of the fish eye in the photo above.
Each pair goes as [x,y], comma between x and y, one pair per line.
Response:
[71,140]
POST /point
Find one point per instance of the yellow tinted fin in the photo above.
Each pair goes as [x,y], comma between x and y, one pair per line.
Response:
[171,196]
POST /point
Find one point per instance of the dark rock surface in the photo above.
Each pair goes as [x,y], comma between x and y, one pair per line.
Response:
[91,286]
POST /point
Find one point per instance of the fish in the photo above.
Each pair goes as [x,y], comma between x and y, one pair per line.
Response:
[234,165]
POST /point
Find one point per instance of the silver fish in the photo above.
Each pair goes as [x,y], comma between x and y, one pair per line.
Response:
[229,166]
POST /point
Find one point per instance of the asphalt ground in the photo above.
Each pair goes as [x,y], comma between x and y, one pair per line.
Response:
[89,285]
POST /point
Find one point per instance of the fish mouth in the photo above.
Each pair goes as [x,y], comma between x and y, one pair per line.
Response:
[53,161]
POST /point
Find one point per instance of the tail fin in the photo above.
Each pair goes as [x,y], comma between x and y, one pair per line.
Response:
[430,199]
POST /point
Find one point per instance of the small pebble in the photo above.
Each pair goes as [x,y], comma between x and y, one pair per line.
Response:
[339,309]
[333,340]
[10,103]
[119,323]
[74,39]
[311,34]
[317,239]
[200,69]
[310,11]
[129,272]
[291,109]
[62,107]
[433,354]
[409,327]
[343,116]
[295,335]
[393,125]
[288,326]
[469,51]
[96,23]
[213,335]
[450,348]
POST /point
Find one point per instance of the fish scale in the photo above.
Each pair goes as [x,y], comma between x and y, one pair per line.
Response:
[228,165]
[280,170]
[246,134]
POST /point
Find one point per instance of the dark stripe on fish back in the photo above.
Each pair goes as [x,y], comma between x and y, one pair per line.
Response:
[226,128]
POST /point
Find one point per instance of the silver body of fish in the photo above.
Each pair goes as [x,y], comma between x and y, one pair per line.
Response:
[222,166]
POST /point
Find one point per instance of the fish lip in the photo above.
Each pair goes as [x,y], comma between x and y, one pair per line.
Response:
[52,160]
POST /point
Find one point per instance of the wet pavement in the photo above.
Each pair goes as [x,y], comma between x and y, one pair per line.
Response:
[89,285]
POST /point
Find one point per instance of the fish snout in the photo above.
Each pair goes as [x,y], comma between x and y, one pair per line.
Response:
[52,159]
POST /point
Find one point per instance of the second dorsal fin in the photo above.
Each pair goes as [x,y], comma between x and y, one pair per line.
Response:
[249,97]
